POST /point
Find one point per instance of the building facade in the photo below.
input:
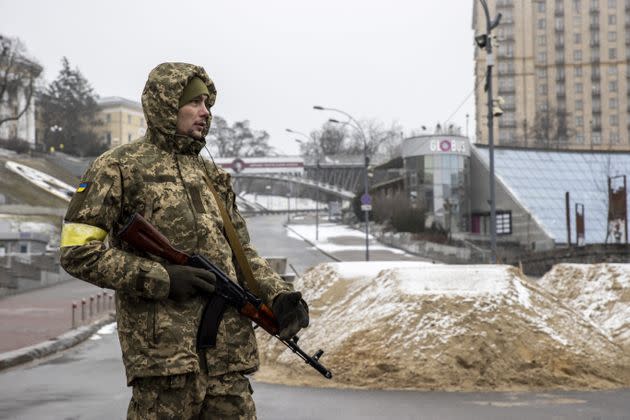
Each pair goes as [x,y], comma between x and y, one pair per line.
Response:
[123,120]
[561,67]
[437,178]
[17,97]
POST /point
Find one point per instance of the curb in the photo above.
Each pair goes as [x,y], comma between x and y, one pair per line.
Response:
[54,345]
[312,244]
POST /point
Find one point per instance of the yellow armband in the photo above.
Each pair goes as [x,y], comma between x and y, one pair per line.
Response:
[74,234]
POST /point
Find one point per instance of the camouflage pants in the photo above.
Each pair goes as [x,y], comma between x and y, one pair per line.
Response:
[192,396]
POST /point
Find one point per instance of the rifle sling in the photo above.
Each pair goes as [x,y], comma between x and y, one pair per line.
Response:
[235,243]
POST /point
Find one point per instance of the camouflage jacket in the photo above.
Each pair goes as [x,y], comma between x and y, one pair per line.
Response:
[162,177]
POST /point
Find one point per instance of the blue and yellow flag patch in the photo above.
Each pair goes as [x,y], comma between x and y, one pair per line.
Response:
[83,186]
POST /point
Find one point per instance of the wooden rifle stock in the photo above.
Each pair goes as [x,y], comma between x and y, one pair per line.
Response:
[143,236]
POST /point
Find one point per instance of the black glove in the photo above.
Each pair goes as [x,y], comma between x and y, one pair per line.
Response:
[188,282]
[291,312]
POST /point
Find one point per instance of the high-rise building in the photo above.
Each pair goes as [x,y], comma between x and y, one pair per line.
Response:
[561,67]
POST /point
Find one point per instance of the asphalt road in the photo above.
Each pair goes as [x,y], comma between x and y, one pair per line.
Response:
[88,382]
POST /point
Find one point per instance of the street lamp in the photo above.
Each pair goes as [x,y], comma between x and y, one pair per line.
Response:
[366,162]
[288,130]
[485,41]
[57,129]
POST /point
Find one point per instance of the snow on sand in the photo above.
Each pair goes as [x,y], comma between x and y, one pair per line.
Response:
[423,326]
[600,292]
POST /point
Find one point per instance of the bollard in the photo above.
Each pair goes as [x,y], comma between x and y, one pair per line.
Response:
[98,303]
[82,310]
[74,320]
[91,306]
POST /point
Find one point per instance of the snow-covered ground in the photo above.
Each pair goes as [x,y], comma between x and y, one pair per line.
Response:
[42,180]
[431,326]
[277,202]
[334,237]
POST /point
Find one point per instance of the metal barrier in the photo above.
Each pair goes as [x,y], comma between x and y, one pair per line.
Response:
[90,312]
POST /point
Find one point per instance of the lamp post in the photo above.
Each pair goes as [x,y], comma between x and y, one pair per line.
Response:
[57,130]
[316,178]
[485,40]
[366,162]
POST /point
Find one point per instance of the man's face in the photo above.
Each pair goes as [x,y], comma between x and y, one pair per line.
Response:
[192,118]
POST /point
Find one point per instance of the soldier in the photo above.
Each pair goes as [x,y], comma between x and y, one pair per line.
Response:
[159,306]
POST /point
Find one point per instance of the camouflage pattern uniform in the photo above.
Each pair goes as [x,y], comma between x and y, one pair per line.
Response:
[162,177]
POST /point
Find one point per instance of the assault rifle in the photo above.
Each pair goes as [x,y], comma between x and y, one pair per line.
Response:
[143,236]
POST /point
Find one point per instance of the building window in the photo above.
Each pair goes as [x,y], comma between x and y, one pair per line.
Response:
[577,55]
[614,137]
[504,222]
[613,103]
[613,120]
[612,4]
[612,69]
[108,117]
[579,88]
[579,105]
[579,138]
[612,53]
[612,36]
[579,121]
[541,57]
[128,119]
[612,19]
[613,86]
[597,138]
[559,24]
[108,138]
[578,72]
[542,89]
[577,38]
[541,7]
[541,72]
[129,138]
[542,40]
[23,248]
[541,23]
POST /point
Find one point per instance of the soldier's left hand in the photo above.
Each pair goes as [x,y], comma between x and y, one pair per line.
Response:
[291,312]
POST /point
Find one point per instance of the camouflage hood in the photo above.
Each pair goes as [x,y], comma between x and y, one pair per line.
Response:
[160,101]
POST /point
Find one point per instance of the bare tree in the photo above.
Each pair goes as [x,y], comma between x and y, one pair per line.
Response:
[239,139]
[551,128]
[378,138]
[18,75]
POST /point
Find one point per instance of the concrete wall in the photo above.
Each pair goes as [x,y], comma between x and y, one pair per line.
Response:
[537,264]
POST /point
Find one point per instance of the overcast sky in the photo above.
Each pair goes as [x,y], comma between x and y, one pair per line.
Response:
[408,61]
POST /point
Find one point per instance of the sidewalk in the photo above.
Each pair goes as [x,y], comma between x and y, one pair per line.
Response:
[36,316]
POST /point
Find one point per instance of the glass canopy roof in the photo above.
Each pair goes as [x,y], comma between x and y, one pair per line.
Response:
[540,179]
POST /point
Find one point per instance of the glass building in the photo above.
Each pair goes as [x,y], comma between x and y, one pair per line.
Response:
[539,180]
[437,178]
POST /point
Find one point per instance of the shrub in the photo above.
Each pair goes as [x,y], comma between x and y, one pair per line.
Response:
[15,144]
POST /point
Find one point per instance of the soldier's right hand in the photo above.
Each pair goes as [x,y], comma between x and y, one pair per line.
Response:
[188,282]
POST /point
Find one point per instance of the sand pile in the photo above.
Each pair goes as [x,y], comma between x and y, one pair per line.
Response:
[600,292]
[421,326]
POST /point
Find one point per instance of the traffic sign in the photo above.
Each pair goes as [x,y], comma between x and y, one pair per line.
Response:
[366,199]
[366,207]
